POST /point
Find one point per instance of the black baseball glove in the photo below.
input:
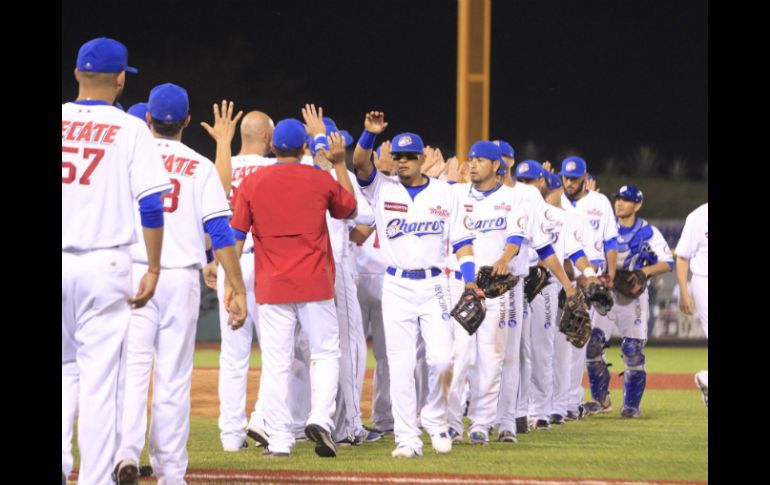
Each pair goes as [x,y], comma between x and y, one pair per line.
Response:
[630,284]
[575,322]
[535,282]
[470,311]
[600,297]
[494,286]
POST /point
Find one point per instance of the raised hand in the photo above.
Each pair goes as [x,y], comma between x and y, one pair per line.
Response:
[336,151]
[547,166]
[314,123]
[453,169]
[384,162]
[434,162]
[224,123]
[375,122]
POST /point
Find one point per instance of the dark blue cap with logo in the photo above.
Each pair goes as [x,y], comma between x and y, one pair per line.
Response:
[139,110]
[168,102]
[554,182]
[289,134]
[529,169]
[629,192]
[573,167]
[103,55]
[485,149]
[505,147]
[406,143]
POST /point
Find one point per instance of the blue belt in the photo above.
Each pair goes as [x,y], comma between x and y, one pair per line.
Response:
[414,274]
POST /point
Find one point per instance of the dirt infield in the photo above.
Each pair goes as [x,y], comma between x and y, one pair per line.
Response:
[205,398]
[245,477]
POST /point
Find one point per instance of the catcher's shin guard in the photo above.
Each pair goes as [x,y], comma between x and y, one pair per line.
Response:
[597,368]
[634,376]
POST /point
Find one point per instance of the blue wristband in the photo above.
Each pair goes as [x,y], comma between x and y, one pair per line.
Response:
[366,141]
[468,269]
[319,142]
[209,256]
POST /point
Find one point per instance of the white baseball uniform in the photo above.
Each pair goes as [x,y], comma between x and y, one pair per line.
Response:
[601,217]
[164,329]
[109,161]
[694,246]
[492,218]
[416,234]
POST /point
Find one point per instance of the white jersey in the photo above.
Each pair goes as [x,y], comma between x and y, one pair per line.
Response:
[369,258]
[243,166]
[109,161]
[597,208]
[492,219]
[197,197]
[529,197]
[694,241]
[339,229]
[565,231]
[416,234]
[641,241]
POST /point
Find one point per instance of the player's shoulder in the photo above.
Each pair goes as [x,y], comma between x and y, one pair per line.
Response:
[251,160]
[459,188]
[598,198]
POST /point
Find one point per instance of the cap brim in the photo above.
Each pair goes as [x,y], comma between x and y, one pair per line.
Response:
[132,70]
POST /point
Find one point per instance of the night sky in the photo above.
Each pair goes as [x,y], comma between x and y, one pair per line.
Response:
[596,78]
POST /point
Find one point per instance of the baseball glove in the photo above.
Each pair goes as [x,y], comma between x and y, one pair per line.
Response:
[494,286]
[575,321]
[630,284]
[469,311]
[601,297]
[535,282]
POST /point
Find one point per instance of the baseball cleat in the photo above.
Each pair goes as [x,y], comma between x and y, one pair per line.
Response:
[507,437]
[522,425]
[258,435]
[126,473]
[324,445]
[442,443]
[630,413]
[542,425]
[405,451]
[701,380]
[479,438]
[455,435]
[557,419]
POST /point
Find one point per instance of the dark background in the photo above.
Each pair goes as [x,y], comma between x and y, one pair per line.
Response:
[624,84]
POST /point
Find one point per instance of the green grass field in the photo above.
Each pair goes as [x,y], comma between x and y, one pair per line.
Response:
[669,441]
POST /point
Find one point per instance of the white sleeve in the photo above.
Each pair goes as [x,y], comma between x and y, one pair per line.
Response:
[371,190]
[610,223]
[685,247]
[660,246]
[518,221]
[213,201]
[146,170]
[365,213]
[538,239]
[573,237]
[457,230]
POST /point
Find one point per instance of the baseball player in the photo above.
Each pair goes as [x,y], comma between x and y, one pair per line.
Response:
[600,242]
[499,229]
[163,331]
[692,253]
[109,161]
[294,273]
[566,238]
[419,219]
[642,247]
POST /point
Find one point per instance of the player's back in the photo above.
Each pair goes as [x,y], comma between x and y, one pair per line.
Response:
[108,160]
[197,197]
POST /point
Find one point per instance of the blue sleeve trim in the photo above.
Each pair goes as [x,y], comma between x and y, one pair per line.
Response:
[670,265]
[577,255]
[451,182]
[151,211]
[611,244]
[597,262]
[517,240]
[219,230]
[368,181]
[468,269]
[159,189]
[239,235]
[462,243]
[545,251]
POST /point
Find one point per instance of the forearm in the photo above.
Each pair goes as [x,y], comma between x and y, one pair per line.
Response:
[658,268]
[362,161]
[552,263]
[224,165]
[153,241]
[509,252]
[228,256]
[682,268]
[360,233]
[612,262]
[239,247]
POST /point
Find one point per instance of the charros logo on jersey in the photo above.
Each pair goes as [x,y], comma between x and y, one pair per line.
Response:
[485,225]
[401,227]
[396,206]
[522,222]
[595,224]
[548,216]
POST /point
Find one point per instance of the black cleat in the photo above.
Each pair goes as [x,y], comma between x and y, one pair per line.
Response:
[126,473]
[557,419]
[258,435]
[324,445]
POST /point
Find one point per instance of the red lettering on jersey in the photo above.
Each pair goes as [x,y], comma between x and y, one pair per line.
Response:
[396,206]
[99,130]
[180,164]
[85,133]
[64,127]
[73,126]
[190,170]
[168,162]
[111,132]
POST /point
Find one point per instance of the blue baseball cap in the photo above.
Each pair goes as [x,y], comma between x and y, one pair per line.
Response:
[529,169]
[573,167]
[289,134]
[407,143]
[485,149]
[629,192]
[168,102]
[103,55]
[330,125]
[506,148]
[348,137]
[554,182]
[503,167]
[139,110]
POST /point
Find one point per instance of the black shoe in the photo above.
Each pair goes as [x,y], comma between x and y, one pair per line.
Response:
[507,437]
[572,416]
[542,425]
[126,473]
[557,419]
[324,444]
[258,435]
[522,426]
[146,470]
